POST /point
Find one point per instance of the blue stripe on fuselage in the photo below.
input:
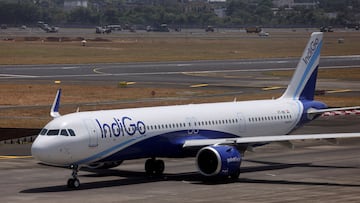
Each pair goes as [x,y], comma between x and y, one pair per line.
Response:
[163,145]
[166,145]
[104,153]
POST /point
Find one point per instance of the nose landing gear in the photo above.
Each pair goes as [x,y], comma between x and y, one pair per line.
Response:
[74,181]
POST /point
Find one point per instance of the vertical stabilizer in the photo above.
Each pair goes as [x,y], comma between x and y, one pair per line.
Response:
[303,82]
[54,112]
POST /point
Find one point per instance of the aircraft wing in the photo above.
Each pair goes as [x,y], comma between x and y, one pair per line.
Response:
[261,139]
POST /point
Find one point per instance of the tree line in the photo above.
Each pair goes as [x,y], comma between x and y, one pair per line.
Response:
[238,13]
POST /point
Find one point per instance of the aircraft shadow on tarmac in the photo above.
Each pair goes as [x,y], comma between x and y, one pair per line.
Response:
[133,178]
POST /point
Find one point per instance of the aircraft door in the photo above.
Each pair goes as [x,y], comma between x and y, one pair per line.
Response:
[93,132]
[242,122]
[191,124]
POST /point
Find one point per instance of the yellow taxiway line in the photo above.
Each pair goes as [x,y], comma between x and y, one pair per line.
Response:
[15,157]
[271,88]
[199,85]
[338,91]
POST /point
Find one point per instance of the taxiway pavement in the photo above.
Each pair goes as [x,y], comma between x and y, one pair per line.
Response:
[315,171]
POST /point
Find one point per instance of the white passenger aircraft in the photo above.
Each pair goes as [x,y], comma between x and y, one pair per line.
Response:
[218,134]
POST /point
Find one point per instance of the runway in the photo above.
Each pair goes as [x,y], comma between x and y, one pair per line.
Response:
[169,72]
[315,171]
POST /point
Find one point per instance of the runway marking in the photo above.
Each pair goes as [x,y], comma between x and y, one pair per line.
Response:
[99,73]
[338,91]
[199,85]
[96,70]
[70,67]
[271,88]
[15,157]
[238,77]
[16,76]
[182,65]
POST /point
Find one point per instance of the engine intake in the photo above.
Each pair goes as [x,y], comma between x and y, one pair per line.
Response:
[219,160]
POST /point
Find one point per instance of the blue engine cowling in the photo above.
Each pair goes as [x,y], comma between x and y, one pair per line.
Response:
[219,160]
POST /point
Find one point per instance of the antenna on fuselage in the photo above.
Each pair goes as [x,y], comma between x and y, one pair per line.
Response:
[54,112]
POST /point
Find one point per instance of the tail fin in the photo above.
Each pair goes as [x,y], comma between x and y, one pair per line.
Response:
[54,112]
[302,84]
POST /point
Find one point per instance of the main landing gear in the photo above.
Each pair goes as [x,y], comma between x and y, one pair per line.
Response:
[154,167]
[74,181]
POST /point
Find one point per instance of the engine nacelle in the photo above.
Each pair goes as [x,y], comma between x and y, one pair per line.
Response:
[219,160]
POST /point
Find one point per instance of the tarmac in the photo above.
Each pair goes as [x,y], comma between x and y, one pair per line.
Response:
[315,171]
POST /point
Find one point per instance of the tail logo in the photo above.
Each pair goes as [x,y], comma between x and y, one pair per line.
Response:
[311,50]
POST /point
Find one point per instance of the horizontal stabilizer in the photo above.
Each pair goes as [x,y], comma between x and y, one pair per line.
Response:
[321,111]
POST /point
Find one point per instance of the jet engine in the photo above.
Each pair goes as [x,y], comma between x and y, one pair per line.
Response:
[219,160]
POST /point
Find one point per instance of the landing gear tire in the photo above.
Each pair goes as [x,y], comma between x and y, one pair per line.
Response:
[74,181]
[159,167]
[154,167]
[235,175]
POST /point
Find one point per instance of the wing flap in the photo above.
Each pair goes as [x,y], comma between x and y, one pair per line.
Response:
[261,139]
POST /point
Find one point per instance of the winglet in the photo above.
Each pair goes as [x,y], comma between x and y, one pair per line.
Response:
[56,105]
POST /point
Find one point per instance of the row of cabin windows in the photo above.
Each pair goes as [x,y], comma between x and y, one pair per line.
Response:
[197,123]
[270,118]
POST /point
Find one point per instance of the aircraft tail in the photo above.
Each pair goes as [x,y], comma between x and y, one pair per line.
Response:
[303,82]
[54,112]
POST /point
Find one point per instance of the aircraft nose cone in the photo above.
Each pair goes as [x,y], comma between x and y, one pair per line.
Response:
[38,151]
[48,150]
[44,150]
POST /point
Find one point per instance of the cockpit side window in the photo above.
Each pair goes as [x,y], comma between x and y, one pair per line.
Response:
[63,132]
[53,132]
[43,131]
[71,132]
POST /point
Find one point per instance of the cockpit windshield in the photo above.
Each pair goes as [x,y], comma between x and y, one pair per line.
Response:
[56,132]
[43,131]
[71,132]
[53,132]
[64,132]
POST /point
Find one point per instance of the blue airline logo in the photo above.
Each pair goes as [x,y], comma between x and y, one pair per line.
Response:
[121,127]
[311,50]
